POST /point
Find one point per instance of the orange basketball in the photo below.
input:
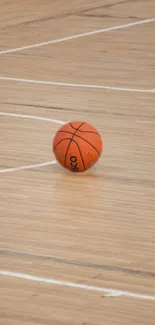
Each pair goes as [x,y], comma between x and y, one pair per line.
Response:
[77,146]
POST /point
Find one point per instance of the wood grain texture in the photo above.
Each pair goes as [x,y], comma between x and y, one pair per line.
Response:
[97,228]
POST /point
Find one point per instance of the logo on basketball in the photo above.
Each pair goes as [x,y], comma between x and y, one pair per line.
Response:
[73,161]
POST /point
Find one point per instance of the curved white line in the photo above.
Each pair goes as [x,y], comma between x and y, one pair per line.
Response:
[109,292]
[52,162]
[63,84]
[64,39]
[32,117]
[8,170]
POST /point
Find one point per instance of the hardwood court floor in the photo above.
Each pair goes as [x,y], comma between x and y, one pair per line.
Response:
[95,229]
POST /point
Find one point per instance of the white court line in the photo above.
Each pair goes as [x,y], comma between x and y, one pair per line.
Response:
[52,162]
[33,118]
[63,84]
[59,40]
[108,291]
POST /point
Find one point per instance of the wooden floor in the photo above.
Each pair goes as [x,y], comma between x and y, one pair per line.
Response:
[93,229]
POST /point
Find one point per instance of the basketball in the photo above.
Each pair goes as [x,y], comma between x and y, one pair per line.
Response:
[77,146]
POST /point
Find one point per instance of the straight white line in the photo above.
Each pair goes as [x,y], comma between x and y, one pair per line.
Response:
[59,40]
[32,117]
[8,170]
[109,292]
[63,84]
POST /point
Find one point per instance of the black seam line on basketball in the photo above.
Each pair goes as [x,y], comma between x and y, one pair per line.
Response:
[60,260]
[83,130]
[80,153]
[71,141]
[80,138]
[60,142]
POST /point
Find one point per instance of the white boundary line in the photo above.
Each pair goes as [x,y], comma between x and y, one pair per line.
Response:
[108,291]
[32,117]
[60,40]
[8,170]
[63,84]
[52,162]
